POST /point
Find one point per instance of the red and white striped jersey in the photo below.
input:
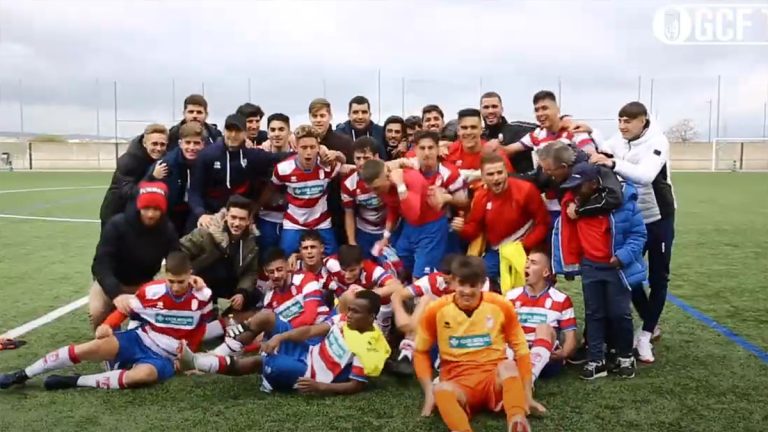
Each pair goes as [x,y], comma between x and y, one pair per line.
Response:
[447,177]
[371,276]
[551,307]
[370,211]
[168,319]
[303,296]
[306,193]
[330,358]
[323,276]
[435,286]
[541,137]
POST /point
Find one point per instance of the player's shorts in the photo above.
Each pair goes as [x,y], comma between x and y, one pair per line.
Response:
[366,241]
[282,370]
[480,386]
[132,351]
[269,235]
[422,248]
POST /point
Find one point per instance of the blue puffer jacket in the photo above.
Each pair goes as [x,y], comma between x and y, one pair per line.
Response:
[374,131]
[628,240]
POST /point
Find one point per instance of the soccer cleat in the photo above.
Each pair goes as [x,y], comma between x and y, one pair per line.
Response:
[645,349]
[579,357]
[626,367]
[13,378]
[519,424]
[60,382]
[594,369]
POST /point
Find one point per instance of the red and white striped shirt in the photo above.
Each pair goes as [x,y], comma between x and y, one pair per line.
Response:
[330,358]
[306,193]
[435,286]
[551,307]
[541,137]
[371,276]
[301,304]
[447,177]
[168,319]
[370,211]
[323,275]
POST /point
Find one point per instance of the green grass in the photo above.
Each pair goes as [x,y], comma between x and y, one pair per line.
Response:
[701,380]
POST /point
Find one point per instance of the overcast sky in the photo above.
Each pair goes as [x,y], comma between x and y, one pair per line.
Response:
[68,53]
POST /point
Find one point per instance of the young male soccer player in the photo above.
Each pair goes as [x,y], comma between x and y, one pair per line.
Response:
[352,349]
[171,310]
[546,314]
[506,210]
[273,201]
[306,179]
[349,268]
[365,213]
[291,300]
[466,152]
[473,330]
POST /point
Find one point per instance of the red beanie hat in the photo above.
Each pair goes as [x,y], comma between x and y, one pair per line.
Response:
[152,194]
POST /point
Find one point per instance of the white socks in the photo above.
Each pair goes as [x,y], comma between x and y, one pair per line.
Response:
[59,359]
[406,349]
[230,347]
[106,380]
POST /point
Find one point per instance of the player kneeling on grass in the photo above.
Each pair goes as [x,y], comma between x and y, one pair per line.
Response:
[352,349]
[291,300]
[172,312]
[473,330]
[546,314]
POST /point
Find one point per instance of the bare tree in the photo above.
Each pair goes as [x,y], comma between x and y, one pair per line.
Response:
[682,131]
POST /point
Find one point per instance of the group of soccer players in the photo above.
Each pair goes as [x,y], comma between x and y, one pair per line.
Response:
[407,247]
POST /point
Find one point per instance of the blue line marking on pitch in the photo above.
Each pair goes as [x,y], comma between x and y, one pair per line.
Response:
[723,330]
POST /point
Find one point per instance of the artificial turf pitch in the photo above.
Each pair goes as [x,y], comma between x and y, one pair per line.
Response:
[701,380]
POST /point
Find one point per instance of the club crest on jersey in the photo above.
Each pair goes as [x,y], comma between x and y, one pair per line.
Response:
[217,165]
[489,322]
[160,305]
[294,179]
[518,304]
[548,303]
[195,304]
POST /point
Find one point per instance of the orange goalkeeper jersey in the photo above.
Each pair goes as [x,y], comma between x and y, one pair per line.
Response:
[472,345]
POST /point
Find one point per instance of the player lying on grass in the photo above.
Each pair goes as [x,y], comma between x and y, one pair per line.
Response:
[291,300]
[171,310]
[473,330]
[546,315]
[352,349]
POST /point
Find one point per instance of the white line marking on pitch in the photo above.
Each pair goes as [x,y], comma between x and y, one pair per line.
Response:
[45,319]
[54,219]
[50,189]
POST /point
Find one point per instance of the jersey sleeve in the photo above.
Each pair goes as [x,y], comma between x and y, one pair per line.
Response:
[583,141]
[420,287]
[348,192]
[567,319]
[379,276]
[358,372]
[527,140]
[455,181]
[277,178]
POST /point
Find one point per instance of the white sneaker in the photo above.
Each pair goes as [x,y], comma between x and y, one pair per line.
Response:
[644,348]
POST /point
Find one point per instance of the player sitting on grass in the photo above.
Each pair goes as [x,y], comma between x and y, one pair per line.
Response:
[172,312]
[291,300]
[473,330]
[426,289]
[352,349]
[545,314]
[349,269]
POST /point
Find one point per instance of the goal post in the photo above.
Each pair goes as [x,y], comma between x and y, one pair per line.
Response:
[739,154]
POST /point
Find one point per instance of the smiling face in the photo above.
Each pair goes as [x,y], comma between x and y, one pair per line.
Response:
[469,133]
[279,132]
[238,220]
[559,172]
[467,296]
[191,146]
[359,116]
[277,272]
[394,134]
[547,114]
[155,143]
[631,128]
[352,273]
[252,126]
[433,121]
[234,138]
[492,110]
[495,177]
